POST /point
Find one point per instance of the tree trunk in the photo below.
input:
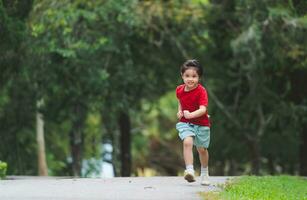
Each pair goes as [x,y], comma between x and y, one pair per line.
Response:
[255,156]
[42,163]
[298,96]
[303,151]
[125,143]
[220,169]
[76,140]
[271,165]
[112,136]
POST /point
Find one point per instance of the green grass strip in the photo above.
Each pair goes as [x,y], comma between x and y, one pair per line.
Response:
[263,188]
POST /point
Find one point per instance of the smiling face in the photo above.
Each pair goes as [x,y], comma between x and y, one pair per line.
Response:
[190,78]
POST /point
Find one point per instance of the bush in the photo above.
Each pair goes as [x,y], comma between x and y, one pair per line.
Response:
[3,167]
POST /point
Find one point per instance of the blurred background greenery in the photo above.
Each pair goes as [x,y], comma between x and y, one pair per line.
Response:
[79,75]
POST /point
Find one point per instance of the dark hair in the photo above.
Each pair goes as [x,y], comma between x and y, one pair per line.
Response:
[192,63]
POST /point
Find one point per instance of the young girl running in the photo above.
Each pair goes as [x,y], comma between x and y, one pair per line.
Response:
[194,124]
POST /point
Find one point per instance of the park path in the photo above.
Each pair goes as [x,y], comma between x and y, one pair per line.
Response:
[126,188]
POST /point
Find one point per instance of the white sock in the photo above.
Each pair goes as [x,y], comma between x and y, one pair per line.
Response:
[204,171]
[189,167]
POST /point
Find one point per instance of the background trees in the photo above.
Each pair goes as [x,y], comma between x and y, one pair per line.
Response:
[260,46]
[16,106]
[106,70]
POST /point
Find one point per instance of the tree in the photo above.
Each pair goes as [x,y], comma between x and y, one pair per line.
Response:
[249,54]
[69,76]
[16,116]
[40,137]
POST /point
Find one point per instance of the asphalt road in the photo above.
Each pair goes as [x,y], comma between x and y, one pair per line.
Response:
[143,188]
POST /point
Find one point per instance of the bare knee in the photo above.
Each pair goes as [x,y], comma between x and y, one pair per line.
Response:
[202,151]
[188,142]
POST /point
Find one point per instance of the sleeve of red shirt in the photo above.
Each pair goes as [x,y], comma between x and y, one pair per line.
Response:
[203,99]
[177,91]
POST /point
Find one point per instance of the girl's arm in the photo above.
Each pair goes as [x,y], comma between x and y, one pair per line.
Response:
[197,113]
[179,113]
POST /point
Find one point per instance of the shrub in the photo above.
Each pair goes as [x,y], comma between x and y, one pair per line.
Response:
[3,167]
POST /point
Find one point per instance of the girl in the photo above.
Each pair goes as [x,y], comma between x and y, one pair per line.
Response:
[194,124]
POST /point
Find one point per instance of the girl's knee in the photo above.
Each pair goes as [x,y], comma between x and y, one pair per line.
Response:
[202,150]
[188,142]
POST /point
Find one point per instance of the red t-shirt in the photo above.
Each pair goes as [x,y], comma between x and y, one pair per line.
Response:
[191,100]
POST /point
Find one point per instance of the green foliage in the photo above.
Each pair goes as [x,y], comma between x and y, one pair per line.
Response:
[253,45]
[3,169]
[13,33]
[156,144]
[57,150]
[93,136]
[16,101]
[90,60]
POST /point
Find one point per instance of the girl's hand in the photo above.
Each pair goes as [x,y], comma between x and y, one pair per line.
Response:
[179,114]
[187,114]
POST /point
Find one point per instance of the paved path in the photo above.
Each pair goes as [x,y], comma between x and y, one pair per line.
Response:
[143,188]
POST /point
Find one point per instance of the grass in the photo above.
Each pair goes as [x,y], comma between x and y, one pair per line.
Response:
[262,188]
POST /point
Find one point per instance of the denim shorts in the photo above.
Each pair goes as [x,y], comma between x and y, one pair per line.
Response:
[200,134]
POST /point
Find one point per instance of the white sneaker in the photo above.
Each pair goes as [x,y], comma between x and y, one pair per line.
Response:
[204,180]
[189,175]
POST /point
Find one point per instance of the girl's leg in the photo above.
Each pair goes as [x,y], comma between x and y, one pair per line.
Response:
[204,171]
[203,156]
[188,159]
[188,151]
